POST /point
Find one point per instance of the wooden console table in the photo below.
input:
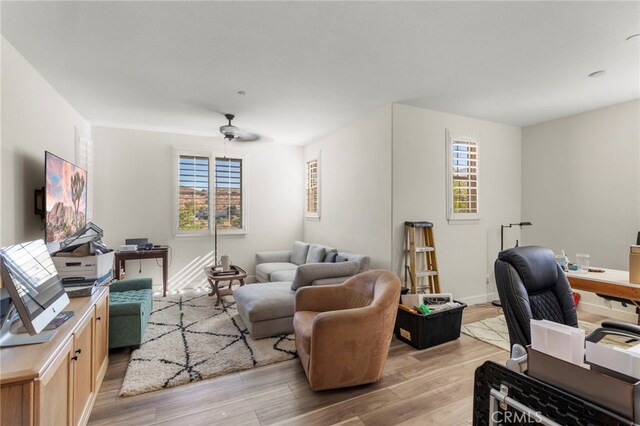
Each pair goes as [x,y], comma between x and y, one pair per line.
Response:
[163,253]
[57,382]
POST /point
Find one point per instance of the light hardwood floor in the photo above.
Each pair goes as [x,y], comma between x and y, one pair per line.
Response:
[432,386]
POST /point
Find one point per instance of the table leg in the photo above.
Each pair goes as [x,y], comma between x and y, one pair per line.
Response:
[241,282]
[165,272]
[118,268]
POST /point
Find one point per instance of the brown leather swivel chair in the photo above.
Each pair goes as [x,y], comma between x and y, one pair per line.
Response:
[343,332]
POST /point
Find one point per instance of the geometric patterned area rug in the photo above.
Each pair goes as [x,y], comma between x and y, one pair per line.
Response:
[494,331]
[189,339]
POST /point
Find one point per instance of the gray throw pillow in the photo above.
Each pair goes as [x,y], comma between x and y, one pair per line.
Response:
[299,252]
[330,257]
[316,253]
[341,258]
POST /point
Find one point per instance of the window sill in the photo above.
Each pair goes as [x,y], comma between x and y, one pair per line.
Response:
[470,221]
[210,235]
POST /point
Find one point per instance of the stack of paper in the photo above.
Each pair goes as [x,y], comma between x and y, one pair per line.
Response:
[625,361]
[559,341]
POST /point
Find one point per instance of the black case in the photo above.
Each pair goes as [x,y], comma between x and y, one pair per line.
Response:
[425,331]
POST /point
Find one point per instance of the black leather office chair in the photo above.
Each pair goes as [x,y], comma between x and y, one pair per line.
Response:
[532,285]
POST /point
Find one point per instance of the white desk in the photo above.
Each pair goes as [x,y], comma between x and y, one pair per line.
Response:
[611,282]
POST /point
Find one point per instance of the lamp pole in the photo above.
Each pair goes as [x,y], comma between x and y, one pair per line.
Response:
[521,224]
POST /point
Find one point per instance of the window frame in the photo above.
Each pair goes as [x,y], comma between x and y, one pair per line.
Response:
[309,214]
[177,152]
[451,138]
[245,203]
[85,159]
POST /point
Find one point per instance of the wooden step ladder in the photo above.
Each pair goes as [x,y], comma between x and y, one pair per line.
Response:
[420,262]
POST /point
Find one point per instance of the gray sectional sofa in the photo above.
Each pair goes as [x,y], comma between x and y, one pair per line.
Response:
[267,308]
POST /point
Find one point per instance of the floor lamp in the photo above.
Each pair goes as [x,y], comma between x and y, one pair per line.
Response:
[521,224]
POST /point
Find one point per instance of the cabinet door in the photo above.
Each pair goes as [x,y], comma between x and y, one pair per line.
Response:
[54,390]
[83,373]
[16,404]
[102,338]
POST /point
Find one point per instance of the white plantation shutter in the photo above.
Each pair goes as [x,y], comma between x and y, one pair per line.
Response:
[193,193]
[84,159]
[463,183]
[229,202]
[312,188]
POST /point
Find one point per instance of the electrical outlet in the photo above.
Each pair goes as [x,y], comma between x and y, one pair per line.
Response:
[488,280]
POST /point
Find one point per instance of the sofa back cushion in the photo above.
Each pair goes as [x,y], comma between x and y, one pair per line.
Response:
[299,252]
[362,260]
[316,253]
[306,274]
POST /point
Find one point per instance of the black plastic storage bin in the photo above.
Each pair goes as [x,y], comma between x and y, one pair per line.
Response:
[425,331]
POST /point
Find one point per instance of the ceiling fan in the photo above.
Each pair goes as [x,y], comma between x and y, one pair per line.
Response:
[233,133]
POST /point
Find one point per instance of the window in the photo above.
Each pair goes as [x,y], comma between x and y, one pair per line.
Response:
[462,166]
[193,193]
[84,159]
[312,195]
[230,201]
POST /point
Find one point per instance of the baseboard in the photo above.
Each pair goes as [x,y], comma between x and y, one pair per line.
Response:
[480,298]
[608,312]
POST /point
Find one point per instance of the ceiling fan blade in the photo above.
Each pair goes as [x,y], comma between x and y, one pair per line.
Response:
[247,137]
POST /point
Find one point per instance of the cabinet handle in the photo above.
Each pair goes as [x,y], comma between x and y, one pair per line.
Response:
[98,319]
[79,351]
[74,358]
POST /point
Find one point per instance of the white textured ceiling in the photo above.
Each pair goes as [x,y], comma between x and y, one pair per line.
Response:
[310,67]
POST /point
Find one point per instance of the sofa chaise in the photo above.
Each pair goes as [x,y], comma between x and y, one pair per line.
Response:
[267,308]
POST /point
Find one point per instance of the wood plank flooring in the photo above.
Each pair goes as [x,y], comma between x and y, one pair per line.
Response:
[432,386]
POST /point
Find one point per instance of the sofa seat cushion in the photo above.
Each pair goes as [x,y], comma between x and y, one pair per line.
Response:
[282,276]
[264,270]
[303,324]
[131,302]
[262,302]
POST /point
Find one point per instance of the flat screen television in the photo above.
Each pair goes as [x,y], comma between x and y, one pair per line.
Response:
[65,198]
[31,279]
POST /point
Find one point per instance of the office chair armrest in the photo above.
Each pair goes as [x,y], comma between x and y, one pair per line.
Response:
[616,329]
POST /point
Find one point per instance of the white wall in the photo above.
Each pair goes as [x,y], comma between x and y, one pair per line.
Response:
[355,188]
[465,252]
[35,118]
[581,186]
[134,190]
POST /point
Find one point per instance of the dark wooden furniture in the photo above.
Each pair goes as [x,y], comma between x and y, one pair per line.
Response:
[162,253]
[215,279]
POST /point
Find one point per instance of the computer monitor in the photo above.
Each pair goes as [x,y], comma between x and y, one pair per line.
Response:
[32,281]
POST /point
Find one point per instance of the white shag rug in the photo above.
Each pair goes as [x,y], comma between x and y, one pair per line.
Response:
[190,339]
[495,332]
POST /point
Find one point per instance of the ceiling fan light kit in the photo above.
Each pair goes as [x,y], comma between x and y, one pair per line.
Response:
[232,132]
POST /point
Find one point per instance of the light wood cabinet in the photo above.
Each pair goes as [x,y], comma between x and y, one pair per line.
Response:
[101,350]
[54,390]
[83,371]
[56,383]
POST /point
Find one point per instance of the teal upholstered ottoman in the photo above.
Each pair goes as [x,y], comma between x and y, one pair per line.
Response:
[130,304]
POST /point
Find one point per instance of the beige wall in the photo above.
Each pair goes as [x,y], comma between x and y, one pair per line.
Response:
[581,186]
[466,251]
[355,173]
[134,195]
[35,118]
